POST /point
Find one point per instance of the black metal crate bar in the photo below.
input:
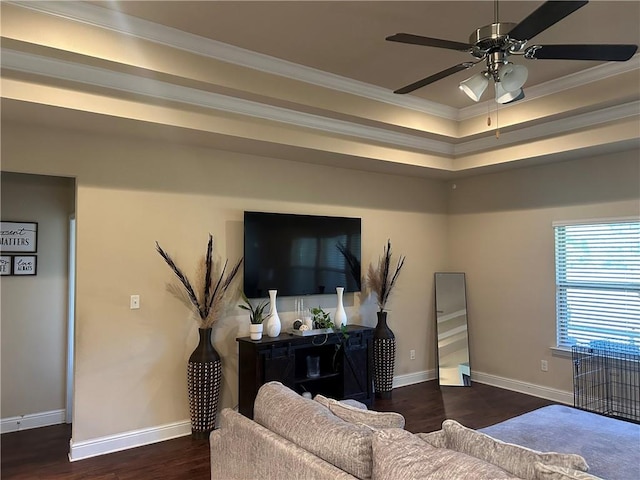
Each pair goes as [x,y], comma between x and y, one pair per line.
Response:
[606,379]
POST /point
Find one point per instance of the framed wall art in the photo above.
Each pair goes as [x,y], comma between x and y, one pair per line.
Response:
[6,264]
[18,237]
[25,264]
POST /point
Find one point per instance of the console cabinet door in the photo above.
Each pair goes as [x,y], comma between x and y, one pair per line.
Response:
[279,365]
[358,367]
[261,364]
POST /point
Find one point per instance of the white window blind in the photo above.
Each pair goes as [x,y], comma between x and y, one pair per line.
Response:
[598,283]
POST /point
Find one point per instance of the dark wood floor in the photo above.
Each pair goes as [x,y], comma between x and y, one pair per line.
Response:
[426,405]
[42,453]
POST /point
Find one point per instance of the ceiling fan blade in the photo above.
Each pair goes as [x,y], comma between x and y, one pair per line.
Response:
[429,42]
[435,77]
[546,15]
[605,53]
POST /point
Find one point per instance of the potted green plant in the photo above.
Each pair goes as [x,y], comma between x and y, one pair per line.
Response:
[256,316]
[321,319]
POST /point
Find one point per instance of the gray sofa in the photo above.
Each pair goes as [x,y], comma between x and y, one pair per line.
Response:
[292,437]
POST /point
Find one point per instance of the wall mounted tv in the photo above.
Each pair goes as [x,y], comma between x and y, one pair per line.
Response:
[299,254]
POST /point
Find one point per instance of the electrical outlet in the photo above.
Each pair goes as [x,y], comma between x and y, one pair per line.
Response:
[544,366]
[412,354]
[135,302]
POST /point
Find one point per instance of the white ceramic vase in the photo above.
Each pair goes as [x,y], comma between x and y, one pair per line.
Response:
[273,322]
[255,329]
[340,317]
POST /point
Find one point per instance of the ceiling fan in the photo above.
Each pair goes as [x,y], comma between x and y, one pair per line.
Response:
[495,43]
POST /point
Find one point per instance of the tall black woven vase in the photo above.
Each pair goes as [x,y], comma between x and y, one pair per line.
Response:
[384,357]
[204,378]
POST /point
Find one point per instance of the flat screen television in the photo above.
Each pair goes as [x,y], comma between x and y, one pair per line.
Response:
[300,254]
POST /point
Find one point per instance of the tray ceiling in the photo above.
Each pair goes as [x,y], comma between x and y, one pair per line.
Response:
[313,81]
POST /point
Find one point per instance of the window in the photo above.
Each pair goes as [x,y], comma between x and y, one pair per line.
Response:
[598,283]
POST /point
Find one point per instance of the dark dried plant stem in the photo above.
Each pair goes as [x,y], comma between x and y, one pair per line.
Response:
[380,281]
[212,299]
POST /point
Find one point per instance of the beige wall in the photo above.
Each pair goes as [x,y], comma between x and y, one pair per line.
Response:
[501,235]
[34,308]
[130,364]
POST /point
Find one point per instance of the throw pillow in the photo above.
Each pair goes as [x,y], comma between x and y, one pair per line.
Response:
[518,460]
[552,472]
[354,403]
[398,454]
[357,415]
[322,400]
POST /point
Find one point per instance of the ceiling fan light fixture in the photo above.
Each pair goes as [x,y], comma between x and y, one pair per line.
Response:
[503,97]
[475,86]
[519,96]
[512,77]
[496,42]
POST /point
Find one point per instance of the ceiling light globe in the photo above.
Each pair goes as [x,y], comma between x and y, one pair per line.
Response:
[512,77]
[475,86]
[502,96]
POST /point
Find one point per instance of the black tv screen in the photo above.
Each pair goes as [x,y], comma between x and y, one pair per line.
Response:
[299,254]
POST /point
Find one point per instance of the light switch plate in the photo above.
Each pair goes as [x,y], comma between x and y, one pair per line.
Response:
[135,302]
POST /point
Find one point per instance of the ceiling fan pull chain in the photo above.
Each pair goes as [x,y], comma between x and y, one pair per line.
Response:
[497,122]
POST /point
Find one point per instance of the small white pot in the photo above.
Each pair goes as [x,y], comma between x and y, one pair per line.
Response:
[256,331]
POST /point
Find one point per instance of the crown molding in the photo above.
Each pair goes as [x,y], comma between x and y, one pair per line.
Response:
[136,27]
[554,127]
[64,70]
[146,87]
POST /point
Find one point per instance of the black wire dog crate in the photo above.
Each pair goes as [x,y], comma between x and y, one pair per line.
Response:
[606,379]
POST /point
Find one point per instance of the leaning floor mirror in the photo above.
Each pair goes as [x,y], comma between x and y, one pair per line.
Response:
[451,327]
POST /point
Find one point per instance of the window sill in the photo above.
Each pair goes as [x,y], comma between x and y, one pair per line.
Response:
[562,352]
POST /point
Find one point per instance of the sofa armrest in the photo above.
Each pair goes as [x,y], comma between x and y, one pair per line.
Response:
[243,449]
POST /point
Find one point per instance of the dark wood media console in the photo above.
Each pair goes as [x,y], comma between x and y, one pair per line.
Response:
[344,373]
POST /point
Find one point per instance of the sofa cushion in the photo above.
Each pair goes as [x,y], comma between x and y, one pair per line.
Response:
[436,439]
[398,454]
[518,460]
[369,418]
[552,472]
[313,427]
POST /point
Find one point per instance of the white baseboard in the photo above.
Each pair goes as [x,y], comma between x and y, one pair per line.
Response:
[126,440]
[32,420]
[413,378]
[560,396]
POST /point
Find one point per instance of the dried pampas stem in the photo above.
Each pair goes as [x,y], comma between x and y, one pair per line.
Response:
[379,279]
[210,304]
